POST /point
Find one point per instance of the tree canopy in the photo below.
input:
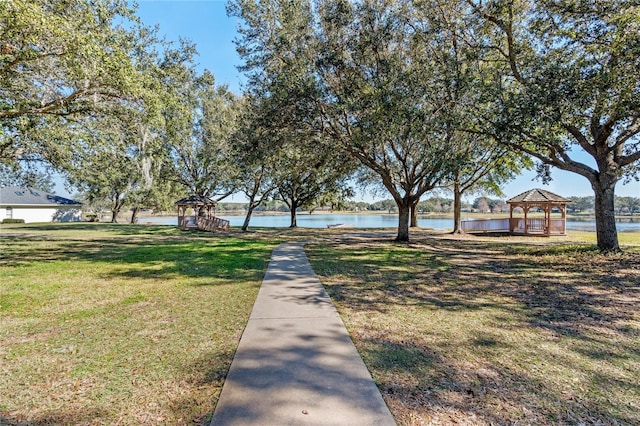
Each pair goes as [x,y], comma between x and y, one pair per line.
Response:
[200,145]
[279,53]
[411,96]
[61,62]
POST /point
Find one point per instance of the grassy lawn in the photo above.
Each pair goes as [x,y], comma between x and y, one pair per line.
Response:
[120,324]
[130,324]
[493,330]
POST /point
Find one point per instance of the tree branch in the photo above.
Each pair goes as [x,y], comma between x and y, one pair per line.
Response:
[582,140]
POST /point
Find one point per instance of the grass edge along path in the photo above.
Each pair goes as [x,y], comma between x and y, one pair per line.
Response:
[492,331]
[121,324]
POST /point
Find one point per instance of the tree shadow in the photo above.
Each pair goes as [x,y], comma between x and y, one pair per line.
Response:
[310,373]
[584,302]
[143,252]
[65,416]
[114,228]
[205,376]
[559,291]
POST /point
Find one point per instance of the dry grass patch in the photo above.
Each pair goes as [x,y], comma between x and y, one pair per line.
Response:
[492,331]
[119,324]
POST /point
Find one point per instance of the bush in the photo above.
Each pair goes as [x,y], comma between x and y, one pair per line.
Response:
[7,220]
[91,217]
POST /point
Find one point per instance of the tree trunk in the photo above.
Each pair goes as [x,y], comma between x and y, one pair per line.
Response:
[606,231]
[457,209]
[404,210]
[134,214]
[294,222]
[117,206]
[414,214]
[247,218]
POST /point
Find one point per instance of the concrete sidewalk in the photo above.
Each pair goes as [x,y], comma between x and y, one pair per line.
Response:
[295,363]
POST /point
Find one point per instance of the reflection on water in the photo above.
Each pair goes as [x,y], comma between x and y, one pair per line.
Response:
[370,221]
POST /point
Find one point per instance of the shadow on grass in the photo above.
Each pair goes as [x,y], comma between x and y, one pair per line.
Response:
[476,394]
[116,228]
[141,251]
[562,290]
[205,376]
[66,416]
[581,301]
[113,255]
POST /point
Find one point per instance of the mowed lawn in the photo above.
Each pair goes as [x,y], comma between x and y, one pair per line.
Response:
[120,324]
[492,331]
[126,324]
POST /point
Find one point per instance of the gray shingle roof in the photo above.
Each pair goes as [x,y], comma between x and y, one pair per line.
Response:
[18,196]
[538,196]
[196,200]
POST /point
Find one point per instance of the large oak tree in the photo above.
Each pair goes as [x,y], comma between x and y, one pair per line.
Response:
[567,90]
[382,98]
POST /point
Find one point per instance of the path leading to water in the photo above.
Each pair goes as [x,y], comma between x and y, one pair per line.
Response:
[296,363]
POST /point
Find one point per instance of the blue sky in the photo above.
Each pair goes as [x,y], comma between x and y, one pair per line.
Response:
[206,23]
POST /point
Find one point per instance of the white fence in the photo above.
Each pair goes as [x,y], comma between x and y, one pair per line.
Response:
[486,225]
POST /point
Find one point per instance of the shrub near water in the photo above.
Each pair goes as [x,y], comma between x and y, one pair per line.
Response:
[8,221]
[106,324]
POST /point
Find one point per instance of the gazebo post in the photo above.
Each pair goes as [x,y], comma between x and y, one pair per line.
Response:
[547,219]
[511,227]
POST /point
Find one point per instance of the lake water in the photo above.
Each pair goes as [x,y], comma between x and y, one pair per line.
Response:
[321,220]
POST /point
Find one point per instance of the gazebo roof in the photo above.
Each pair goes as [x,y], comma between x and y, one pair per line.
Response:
[196,200]
[538,196]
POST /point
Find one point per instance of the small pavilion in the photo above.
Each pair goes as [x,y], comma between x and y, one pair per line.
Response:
[201,208]
[545,201]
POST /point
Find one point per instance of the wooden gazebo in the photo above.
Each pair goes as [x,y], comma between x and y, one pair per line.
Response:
[203,214]
[545,201]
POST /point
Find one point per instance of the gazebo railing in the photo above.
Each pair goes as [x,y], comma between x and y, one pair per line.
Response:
[537,225]
[204,214]
[558,226]
[187,222]
[203,223]
[212,224]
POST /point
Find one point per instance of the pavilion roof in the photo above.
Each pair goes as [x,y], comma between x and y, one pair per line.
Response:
[538,196]
[193,200]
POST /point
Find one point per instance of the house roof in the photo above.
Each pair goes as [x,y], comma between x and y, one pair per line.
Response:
[538,196]
[21,196]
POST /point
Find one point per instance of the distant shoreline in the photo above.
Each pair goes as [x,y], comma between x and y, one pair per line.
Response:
[475,215]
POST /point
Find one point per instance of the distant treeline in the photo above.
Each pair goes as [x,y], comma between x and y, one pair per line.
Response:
[623,205]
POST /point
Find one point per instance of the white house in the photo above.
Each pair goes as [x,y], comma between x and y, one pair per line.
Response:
[34,205]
